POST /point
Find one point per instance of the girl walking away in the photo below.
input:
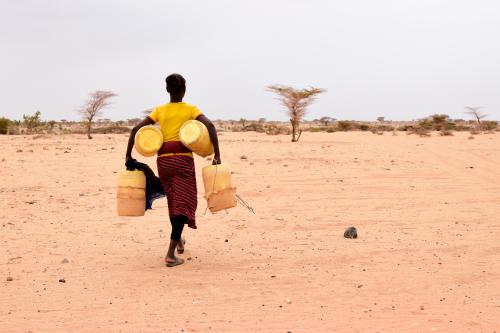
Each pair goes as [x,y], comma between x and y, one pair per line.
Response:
[175,161]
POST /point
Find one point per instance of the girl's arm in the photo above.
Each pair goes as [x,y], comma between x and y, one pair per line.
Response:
[213,137]
[131,139]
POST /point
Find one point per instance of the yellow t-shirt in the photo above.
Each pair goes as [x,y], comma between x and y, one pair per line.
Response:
[171,117]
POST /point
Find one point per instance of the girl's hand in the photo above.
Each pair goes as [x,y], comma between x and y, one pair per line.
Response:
[216,160]
[130,163]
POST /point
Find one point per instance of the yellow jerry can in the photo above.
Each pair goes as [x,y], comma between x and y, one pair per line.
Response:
[148,140]
[194,135]
[219,192]
[131,193]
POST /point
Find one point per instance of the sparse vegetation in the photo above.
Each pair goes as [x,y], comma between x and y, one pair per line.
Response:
[435,122]
[32,124]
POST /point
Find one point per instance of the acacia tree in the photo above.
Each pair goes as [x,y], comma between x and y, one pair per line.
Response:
[296,102]
[326,120]
[97,101]
[474,111]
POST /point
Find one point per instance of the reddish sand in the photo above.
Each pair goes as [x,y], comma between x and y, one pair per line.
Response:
[427,258]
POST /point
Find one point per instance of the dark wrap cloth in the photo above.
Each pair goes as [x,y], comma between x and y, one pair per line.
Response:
[154,187]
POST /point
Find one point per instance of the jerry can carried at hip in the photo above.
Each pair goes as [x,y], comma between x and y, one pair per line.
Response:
[219,191]
[131,193]
[148,140]
[194,135]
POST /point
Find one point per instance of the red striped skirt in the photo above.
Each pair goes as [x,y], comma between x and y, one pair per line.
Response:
[178,178]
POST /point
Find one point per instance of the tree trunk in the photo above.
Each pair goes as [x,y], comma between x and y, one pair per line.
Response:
[298,136]
[89,127]
[294,130]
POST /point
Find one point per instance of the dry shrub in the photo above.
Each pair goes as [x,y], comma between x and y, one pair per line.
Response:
[488,125]
[445,132]
[4,125]
[439,121]
[385,128]
[316,129]
[255,127]
[346,125]
[40,136]
[422,132]
[273,129]
[380,129]
[405,128]
[111,129]
[462,127]
[474,131]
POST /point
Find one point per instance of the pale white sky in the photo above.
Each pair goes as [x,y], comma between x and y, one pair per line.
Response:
[402,59]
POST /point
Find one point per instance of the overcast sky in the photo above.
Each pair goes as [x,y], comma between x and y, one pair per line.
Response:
[402,59]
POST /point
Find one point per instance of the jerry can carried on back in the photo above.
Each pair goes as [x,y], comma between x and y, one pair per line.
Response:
[219,192]
[131,193]
[194,135]
[148,140]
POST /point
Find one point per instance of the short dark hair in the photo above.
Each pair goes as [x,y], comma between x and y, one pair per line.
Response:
[175,83]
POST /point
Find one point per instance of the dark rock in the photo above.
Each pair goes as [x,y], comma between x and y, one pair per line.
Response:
[9,278]
[351,232]
[62,280]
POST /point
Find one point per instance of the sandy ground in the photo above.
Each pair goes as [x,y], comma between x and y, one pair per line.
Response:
[427,258]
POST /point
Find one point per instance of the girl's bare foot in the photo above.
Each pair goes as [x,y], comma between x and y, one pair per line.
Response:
[171,262]
[180,246]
